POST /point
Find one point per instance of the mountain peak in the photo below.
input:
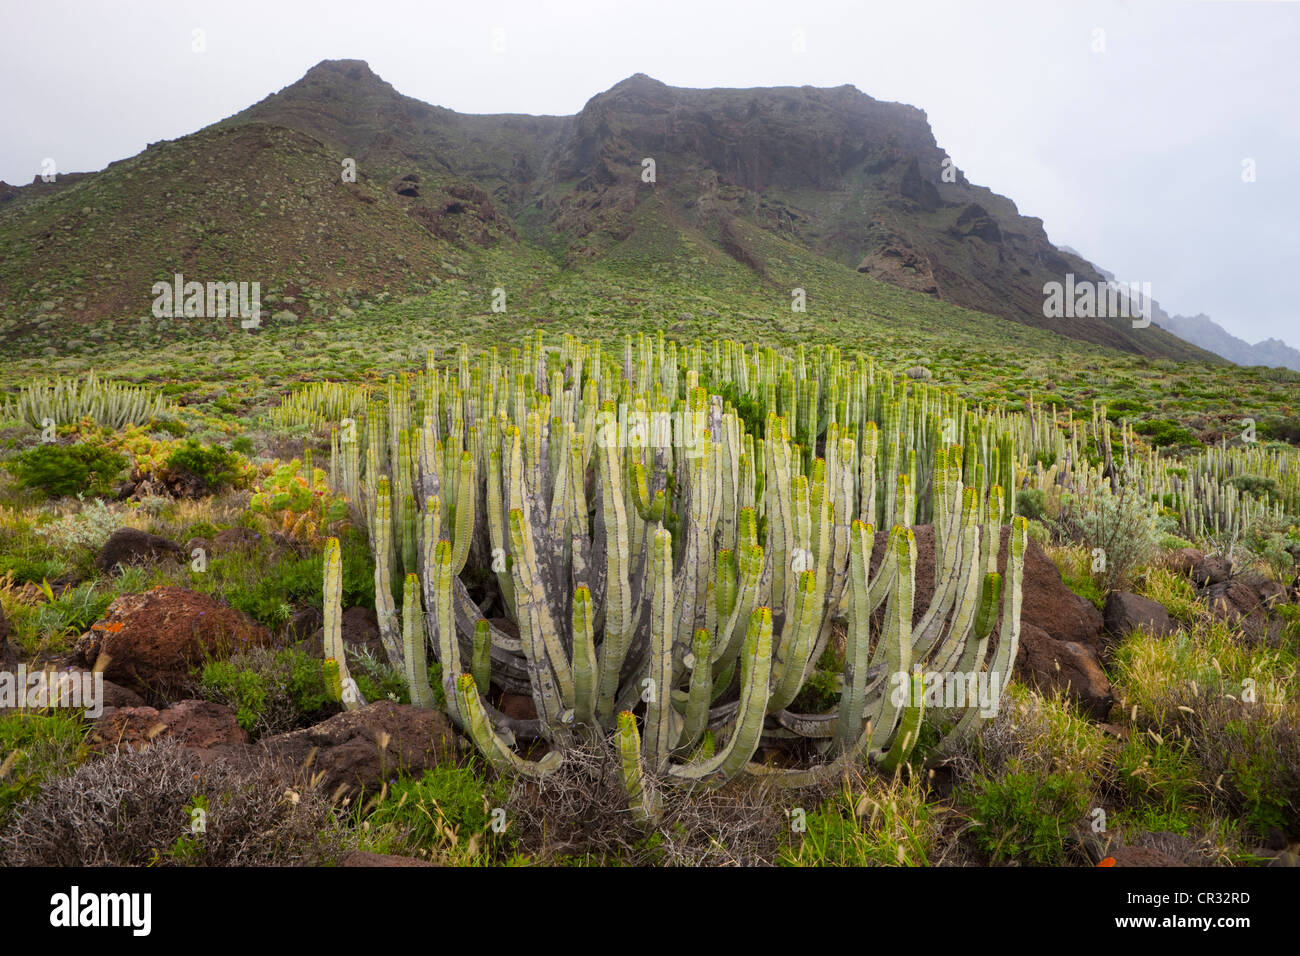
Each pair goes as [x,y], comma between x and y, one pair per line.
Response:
[639,79]
[352,69]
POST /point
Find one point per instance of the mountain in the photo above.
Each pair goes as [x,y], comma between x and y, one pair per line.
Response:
[781,183]
[1203,331]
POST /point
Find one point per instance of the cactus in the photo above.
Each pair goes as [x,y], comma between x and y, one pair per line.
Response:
[495,746]
[342,688]
[695,580]
[644,804]
[66,400]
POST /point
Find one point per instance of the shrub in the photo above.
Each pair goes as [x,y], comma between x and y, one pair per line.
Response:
[1028,816]
[1254,756]
[168,426]
[581,810]
[137,808]
[873,824]
[1032,503]
[1255,485]
[1281,429]
[53,625]
[752,412]
[1162,432]
[1121,407]
[1075,565]
[1039,534]
[1122,525]
[271,596]
[1036,733]
[270,691]
[61,470]
[1161,780]
[88,528]
[207,469]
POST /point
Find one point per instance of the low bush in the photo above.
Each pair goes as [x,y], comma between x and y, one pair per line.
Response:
[271,691]
[1028,817]
[164,805]
[871,823]
[62,470]
[206,469]
[445,815]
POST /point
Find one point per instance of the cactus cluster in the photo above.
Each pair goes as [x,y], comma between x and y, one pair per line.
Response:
[1227,493]
[609,536]
[66,400]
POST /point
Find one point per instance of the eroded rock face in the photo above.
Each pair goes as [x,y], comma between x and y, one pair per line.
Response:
[1065,665]
[152,639]
[1241,599]
[1245,599]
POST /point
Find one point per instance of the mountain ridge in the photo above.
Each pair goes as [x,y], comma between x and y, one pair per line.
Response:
[1201,330]
[848,178]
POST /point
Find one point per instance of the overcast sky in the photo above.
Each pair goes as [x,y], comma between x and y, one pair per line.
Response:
[1123,124]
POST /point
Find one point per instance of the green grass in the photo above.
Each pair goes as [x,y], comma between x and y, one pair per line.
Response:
[1027,816]
[450,814]
[868,823]
[1075,565]
[34,747]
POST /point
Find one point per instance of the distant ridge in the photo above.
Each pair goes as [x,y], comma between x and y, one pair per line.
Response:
[1203,331]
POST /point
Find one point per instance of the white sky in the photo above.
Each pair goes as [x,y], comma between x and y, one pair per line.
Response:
[1133,156]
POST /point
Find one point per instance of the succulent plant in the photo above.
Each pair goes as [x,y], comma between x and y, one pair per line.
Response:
[655,557]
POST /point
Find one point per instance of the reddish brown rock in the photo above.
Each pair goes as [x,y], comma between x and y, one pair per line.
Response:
[197,724]
[1061,634]
[1046,601]
[1126,612]
[132,546]
[518,706]
[1067,666]
[1184,561]
[360,630]
[361,749]
[1248,597]
[1212,570]
[151,640]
